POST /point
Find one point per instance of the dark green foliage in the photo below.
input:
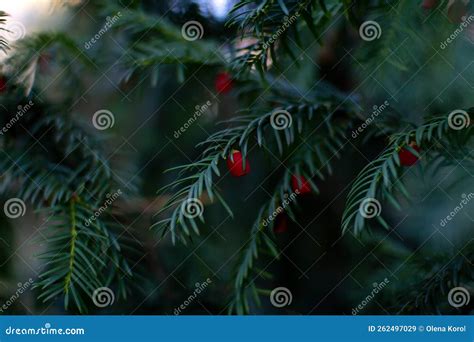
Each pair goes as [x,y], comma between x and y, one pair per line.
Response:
[271,23]
[263,29]
[68,179]
[81,257]
[73,180]
[427,296]
[160,43]
[28,52]
[312,159]
[431,274]
[197,178]
[382,177]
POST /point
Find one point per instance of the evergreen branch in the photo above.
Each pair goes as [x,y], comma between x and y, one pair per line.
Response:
[80,255]
[311,160]
[32,46]
[219,145]
[272,23]
[381,177]
[70,184]
[397,32]
[47,180]
[276,24]
[245,288]
[27,51]
[160,42]
[437,275]
[72,253]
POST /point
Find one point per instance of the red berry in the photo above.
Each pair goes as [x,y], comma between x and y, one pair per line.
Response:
[429,4]
[3,84]
[406,157]
[300,184]
[236,166]
[281,223]
[223,82]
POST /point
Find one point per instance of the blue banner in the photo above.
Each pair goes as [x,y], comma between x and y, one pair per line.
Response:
[237,328]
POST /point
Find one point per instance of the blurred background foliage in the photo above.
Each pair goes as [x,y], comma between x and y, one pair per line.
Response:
[151,79]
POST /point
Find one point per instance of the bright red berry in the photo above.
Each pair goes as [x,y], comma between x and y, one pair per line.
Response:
[223,82]
[300,184]
[281,223]
[236,164]
[406,157]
